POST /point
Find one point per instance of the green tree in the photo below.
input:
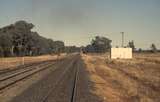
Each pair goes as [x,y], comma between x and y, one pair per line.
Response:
[153,48]
[131,45]
[18,39]
[59,46]
[101,44]
[5,45]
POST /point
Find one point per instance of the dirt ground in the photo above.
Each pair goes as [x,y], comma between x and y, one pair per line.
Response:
[135,80]
[13,62]
[104,80]
[8,94]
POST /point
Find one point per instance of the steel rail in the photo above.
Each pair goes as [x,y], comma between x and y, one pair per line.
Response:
[74,90]
[24,77]
[21,72]
[56,83]
[21,67]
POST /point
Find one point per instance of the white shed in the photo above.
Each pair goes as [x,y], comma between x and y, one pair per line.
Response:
[121,53]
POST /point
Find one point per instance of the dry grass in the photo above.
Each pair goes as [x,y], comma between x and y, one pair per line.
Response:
[12,62]
[136,80]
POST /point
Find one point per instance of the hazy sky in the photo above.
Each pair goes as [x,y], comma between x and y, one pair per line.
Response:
[76,22]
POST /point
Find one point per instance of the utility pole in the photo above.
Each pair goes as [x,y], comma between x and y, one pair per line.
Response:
[122,39]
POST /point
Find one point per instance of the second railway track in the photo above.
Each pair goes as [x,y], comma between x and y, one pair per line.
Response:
[25,73]
[22,67]
[60,85]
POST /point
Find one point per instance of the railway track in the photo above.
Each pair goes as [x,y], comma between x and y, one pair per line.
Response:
[21,67]
[72,96]
[74,91]
[12,79]
[60,85]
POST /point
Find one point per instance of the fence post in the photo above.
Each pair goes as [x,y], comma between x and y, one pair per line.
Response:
[22,60]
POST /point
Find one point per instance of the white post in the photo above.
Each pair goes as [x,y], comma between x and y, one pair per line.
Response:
[22,60]
[6,62]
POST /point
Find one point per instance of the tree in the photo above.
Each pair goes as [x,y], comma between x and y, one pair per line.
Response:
[5,45]
[21,37]
[153,48]
[101,44]
[140,50]
[131,45]
[18,39]
[59,46]
[89,48]
[72,49]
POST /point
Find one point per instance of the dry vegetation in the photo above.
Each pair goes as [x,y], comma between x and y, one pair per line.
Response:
[13,62]
[136,80]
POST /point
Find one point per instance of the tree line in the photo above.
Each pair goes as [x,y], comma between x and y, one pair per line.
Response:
[18,40]
[102,44]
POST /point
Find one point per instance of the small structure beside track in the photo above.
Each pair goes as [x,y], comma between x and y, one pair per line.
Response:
[121,53]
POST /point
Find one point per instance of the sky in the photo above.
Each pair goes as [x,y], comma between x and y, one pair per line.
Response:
[76,22]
